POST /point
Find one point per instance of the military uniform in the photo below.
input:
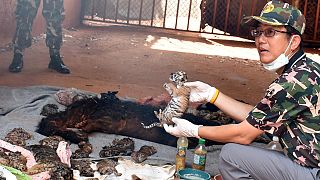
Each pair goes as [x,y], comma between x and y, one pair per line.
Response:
[26,11]
[290,111]
[290,108]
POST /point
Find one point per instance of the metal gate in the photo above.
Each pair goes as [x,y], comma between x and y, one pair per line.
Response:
[210,16]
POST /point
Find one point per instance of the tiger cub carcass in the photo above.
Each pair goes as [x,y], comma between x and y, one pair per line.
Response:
[179,100]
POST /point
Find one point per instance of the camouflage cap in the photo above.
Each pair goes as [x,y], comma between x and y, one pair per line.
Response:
[278,13]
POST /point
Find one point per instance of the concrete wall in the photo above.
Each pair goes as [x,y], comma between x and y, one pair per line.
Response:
[7,18]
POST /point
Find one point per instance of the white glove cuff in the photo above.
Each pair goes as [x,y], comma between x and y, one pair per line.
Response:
[196,131]
[212,94]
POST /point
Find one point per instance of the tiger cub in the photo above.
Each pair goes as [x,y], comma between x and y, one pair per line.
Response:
[177,105]
[178,78]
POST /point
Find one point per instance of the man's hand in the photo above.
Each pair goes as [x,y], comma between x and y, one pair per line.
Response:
[182,128]
[202,92]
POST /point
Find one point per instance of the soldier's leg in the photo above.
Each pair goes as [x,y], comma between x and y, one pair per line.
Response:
[26,11]
[53,12]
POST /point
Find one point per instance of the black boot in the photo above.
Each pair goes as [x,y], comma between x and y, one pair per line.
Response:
[17,63]
[57,64]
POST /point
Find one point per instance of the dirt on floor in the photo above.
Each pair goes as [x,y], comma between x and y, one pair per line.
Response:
[136,61]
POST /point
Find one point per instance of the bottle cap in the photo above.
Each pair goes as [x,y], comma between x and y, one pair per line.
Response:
[202,141]
[183,138]
[275,138]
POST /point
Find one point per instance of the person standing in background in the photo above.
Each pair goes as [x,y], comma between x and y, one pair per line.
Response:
[26,11]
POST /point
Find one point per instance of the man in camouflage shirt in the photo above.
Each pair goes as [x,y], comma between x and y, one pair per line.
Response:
[26,11]
[289,112]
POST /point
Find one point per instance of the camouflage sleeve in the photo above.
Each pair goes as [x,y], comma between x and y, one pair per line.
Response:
[293,98]
[275,110]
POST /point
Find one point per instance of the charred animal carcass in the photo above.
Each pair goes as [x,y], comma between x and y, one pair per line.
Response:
[48,160]
[13,159]
[83,166]
[143,153]
[118,147]
[18,136]
[108,166]
[85,149]
[51,141]
[109,114]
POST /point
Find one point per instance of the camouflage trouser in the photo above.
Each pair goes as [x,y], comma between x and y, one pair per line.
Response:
[26,11]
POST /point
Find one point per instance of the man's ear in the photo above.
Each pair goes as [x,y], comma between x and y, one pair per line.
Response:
[295,44]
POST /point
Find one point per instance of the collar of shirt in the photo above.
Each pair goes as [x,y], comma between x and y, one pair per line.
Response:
[294,59]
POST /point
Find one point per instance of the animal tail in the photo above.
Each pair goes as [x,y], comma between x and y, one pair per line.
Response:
[151,125]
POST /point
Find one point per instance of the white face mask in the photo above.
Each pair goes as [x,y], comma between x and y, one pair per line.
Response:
[279,62]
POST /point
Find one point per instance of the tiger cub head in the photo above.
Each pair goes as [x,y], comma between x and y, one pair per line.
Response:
[178,78]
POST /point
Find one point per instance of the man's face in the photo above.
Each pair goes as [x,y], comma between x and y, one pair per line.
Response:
[269,48]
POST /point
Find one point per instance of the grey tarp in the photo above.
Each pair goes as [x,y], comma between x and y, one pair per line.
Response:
[21,107]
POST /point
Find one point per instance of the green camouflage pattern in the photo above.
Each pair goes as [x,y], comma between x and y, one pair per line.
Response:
[291,111]
[26,11]
[278,13]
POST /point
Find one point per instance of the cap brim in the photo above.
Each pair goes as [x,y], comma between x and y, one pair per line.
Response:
[254,20]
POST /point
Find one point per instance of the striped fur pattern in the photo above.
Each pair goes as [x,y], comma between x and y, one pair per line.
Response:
[178,78]
[177,105]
